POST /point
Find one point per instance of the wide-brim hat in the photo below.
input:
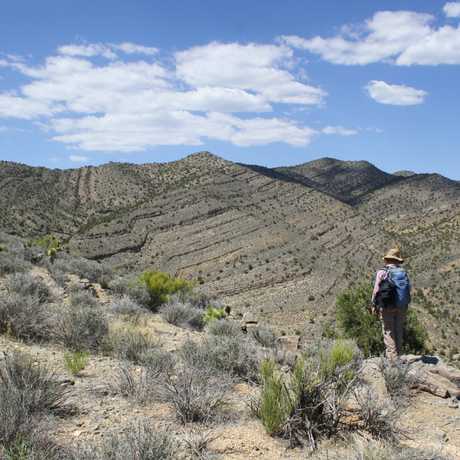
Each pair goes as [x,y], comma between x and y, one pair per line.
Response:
[393,254]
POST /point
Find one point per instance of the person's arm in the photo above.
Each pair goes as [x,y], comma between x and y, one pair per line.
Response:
[378,279]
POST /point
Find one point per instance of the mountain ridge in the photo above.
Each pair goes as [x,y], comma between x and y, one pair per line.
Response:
[264,240]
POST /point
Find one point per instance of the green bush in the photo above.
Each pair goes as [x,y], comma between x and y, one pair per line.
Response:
[275,403]
[307,403]
[340,354]
[161,286]
[76,361]
[356,322]
[213,313]
[50,244]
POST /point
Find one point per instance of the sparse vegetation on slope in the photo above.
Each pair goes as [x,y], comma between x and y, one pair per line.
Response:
[355,321]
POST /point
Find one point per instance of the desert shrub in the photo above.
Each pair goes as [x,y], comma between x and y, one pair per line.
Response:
[140,441]
[195,298]
[233,356]
[197,394]
[264,336]
[378,418]
[160,286]
[360,449]
[125,305]
[94,271]
[28,285]
[196,444]
[307,404]
[12,263]
[24,317]
[134,383]
[275,405]
[335,357]
[139,383]
[81,328]
[76,361]
[398,380]
[27,391]
[214,313]
[224,327]
[356,322]
[131,287]
[33,444]
[82,299]
[182,314]
[128,343]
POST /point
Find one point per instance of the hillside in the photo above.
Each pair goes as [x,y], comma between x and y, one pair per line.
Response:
[279,243]
[348,181]
[92,369]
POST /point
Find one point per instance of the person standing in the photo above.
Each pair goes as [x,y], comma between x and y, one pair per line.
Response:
[391,298]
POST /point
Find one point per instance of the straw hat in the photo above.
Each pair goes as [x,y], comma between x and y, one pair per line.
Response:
[393,254]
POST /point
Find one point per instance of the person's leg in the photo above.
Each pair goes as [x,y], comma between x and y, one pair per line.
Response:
[389,338]
[399,324]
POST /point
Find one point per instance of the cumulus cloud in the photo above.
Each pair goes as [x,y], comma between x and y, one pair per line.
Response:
[452,9]
[339,130]
[398,37]
[252,67]
[384,93]
[133,48]
[78,158]
[135,132]
[218,91]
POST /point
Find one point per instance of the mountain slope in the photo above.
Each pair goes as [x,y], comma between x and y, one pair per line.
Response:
[346,180]
[270,241]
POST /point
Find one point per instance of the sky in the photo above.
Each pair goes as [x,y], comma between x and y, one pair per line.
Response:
[262,82]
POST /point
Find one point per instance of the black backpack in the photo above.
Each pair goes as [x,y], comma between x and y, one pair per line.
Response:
[386,296]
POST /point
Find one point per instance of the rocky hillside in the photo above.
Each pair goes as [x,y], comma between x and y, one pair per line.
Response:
[279,243]
[348,181]
[89,374]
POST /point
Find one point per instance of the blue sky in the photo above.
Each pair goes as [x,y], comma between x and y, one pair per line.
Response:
[266,82]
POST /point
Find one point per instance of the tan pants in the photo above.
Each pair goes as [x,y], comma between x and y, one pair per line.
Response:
[393,322]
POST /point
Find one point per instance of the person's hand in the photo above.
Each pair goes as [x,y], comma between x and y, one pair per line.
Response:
[374,310]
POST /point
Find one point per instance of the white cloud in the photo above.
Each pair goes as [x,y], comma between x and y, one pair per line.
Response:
[385,93]
[133,48]
[399,37]
[89,50]
[452,9]
[14,106]
[78,158]
[132,104]
[339,130]
[134,132]
[252,67]
[106,50]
